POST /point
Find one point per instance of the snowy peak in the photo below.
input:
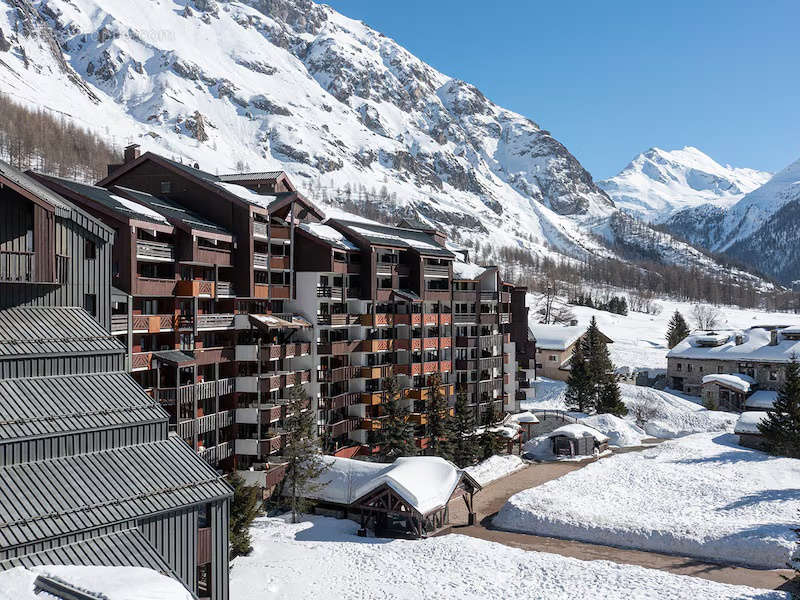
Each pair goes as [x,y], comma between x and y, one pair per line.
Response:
[658,183]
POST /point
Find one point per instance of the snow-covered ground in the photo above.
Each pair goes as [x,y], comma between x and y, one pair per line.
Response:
[672,415]
[701,496]
[639,338]
[323,558]
[620,432]
[495,467]
[111,583]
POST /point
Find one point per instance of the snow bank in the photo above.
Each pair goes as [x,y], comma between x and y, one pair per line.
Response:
[620,432]
[542,448]
[323,558]
[495,467]
[701,496]
[112,583]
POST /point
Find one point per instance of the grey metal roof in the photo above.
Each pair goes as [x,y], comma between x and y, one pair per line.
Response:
[101,489]
[174,357]
[397,237]
[52,330]
[172,210]
[125,548]
[103,197]
[45,406]
[191,170]
[34,187]
[260,175]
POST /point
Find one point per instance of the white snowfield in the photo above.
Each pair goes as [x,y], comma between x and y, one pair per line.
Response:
[701,496]
[495,467]
[323,559]
[111,583]
[620,433]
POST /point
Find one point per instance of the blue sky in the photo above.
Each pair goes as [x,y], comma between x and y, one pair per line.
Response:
[611,79]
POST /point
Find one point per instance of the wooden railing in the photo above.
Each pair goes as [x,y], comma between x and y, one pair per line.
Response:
[436,270]
[141,360]
[151,286]
[155,250]
[62,268]
[204,546]
[259,229]
[260,260]
[119,323]
[340,401]
[224,288]
[215,321]
[342,427]
[16,266]
[214,256]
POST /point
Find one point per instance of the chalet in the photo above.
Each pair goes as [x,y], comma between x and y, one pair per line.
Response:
[554,347]
[408,498]
[751,359]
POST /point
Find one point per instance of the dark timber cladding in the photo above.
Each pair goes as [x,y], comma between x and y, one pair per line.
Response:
[51,252]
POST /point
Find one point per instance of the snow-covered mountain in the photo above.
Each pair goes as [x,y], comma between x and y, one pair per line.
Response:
[760,230]
[658,183]
[348,112]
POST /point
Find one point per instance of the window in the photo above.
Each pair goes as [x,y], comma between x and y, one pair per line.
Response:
[539,366]
[90,304]
[166,187]
[679,367]
[385,282]
[552,358]
[773,375]
[689,367]
[90,250]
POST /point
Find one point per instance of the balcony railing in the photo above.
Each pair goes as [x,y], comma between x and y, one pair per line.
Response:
[488,295]
[213,256]
[194,287]
[340,319]
[342,427]
[214,454]
[339,374]
[334,293]
[377,372]
[141,360]
[259,229]
[204,545]
[224,288]
[158,251]
[215,321]
[151,286]
[339,347]
[437,270]
[119,323]
[195,391]
[340,401]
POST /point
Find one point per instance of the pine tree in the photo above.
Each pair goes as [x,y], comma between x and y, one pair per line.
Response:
[396,436]
[461,431]
[302,453]
[436,416]
[609,399]
[245,507]
[781,428]
[595,351]
[579,396]
[677,330]
[490,442]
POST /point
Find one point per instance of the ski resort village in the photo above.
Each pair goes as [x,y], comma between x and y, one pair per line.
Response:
[285,312]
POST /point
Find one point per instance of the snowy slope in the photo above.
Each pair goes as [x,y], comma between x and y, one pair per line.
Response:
[323,558]
[658,183]
[294,85]
[702,496]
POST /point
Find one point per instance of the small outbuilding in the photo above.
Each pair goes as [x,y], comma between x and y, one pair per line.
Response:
[568,441]
[761,400]
[728,390]
[747,429]
[405,499]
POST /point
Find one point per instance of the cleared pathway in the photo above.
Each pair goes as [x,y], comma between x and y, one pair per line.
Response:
[489,501]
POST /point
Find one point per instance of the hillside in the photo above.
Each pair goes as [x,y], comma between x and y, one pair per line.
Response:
[354,118]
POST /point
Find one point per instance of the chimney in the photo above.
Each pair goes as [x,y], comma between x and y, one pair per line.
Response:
[132,152]
[573,323]
[739,339]
[773,337]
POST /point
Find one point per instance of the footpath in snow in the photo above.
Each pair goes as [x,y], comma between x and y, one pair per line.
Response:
[701,496]
[323,558]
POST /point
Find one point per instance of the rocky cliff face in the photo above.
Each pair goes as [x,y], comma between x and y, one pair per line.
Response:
[350,114]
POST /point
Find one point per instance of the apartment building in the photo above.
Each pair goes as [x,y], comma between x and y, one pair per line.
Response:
[89,474]
[727,367]
[229,291]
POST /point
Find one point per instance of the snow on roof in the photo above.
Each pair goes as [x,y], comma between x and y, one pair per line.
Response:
[762,399]
[329,234]
[793,330]
[140,209]
[246,194]
[755,346]
[525,417]
[111,583]
[576,431]
[748,422]
[425,482]
[556,337]
[468,271]
[737,381]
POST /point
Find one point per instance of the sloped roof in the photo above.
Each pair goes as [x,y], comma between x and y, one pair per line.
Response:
[424,482]
[126,548]
[748,422]
[32,186]
[256,176]
[761,400]
[737,381]
[755,346]
[328,234]
[556,337]
[397,237]
[48,330]
[102,488]
[45,406]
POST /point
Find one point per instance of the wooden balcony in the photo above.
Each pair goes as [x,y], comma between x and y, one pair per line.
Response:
[465,295]
[422,418]
[141,360]
[272,444]
[487,318]
[334,293]
[376,345]
[154,251]
[342,427]
[338,348]
[436,270]
[224,289]
[340,401]
[376,372]
[260,229]
[215,321]
[371,423]
[195,288]
[377,320]
[505,297]
[119,323]
[274,475]
[339,374]
[260,261]
[279,232]
[338,320]
[426,393]
[209,356]
[466,342]
[279,291]
[488,295]
[214,454]
[17,266]
[372,398]
[408,319]
[213,256]
[437,295]
[152,323]
[150,286]
[279,263]
[505,318]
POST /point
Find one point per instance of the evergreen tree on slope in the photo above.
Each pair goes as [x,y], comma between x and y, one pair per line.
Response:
[463,441]
[677,330]
[396,436]
[781,428]
[580,390]
[437,417]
